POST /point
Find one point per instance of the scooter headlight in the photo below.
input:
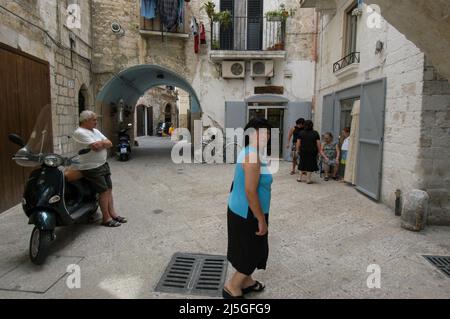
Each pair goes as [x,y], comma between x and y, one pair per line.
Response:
[53,160]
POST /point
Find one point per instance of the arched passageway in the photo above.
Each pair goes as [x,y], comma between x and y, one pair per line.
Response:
[117,99]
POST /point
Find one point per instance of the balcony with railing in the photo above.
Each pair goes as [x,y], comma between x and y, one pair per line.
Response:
[152,27]
[249,37]
[347,65]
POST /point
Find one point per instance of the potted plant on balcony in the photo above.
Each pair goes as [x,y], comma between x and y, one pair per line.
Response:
[279,15]
[223,17]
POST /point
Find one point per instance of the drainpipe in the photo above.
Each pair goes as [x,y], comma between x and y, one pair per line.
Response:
[315,59]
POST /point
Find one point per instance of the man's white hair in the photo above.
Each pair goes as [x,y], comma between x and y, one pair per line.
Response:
[86,115]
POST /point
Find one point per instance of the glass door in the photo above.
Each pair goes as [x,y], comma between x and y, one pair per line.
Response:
[254,113]
[275,116]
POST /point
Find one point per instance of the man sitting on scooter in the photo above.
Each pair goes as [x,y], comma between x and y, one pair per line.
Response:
[94,167]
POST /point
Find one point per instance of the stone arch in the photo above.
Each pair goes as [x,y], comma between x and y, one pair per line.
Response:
[130,84]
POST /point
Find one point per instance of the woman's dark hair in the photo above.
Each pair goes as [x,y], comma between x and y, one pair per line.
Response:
[309,125]
[329,134]
[300,121]
[256,124]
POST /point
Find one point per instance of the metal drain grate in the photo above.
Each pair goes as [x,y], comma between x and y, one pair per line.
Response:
[197,274]
[440,262]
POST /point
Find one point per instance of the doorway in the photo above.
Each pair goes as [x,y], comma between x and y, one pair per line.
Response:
[370,99]
[275,116]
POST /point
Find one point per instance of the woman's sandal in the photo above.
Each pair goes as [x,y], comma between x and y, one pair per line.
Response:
[111,223]
[299,180]
[227,295]
[256,287]
[120,219]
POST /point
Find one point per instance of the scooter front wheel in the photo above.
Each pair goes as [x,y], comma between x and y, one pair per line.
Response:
[39,245]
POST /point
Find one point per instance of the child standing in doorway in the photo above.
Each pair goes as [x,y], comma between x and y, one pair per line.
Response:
[344,150]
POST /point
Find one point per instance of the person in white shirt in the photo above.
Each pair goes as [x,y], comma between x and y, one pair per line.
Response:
[344,150]
[94,166]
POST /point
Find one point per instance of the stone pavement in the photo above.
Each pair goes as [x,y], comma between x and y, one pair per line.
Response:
[322,238]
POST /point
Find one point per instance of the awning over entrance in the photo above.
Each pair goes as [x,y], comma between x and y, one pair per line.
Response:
[132,83]
[267,98]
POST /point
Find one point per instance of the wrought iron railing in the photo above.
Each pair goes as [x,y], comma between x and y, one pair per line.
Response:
[352,58]
[249,34]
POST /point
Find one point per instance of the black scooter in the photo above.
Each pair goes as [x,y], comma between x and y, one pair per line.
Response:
[49,199]
[124,146]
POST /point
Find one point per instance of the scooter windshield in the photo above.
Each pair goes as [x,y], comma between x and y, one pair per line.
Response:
[40,140]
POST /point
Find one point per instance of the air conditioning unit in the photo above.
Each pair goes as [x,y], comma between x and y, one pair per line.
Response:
[233,69]
[262,68]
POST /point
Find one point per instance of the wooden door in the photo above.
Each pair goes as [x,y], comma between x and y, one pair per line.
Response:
[140,120]
[24,91]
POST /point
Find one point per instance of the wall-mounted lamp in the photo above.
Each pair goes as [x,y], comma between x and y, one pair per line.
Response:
[116,28]
[379,47]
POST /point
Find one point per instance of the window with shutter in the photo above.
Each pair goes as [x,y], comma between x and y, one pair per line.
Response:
[254,24]
[226,34]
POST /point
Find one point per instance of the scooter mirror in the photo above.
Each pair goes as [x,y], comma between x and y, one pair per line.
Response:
[84,151]
[16,139]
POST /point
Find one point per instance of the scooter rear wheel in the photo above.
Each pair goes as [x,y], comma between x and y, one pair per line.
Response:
[39,245]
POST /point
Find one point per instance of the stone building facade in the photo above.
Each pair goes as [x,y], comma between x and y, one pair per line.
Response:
[53,62]
[113,53]
[415,124]
[40,29]
[162,106]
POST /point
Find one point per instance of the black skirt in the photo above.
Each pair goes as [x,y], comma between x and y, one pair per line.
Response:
[308,162]
[246,250]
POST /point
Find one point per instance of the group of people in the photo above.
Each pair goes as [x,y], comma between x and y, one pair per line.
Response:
[250,194]
[310,155]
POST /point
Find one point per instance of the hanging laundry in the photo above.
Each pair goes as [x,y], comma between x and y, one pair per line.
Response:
[148,9]
[202,34]
[196,43]
[194,26]
[181,13]
[168,13]
[195,33]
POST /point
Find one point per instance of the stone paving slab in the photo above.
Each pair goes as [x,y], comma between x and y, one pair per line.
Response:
[28,277]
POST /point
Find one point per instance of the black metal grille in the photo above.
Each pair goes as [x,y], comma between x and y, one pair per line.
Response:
[440,262]
[249,34]
[352,58]
[194,274]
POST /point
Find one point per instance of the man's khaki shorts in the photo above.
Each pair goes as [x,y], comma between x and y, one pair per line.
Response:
[99,178]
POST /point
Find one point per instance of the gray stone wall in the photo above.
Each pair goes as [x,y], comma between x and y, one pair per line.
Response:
[69,71]
[434,153]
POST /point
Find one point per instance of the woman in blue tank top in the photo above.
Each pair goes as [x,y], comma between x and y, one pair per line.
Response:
[248,212]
